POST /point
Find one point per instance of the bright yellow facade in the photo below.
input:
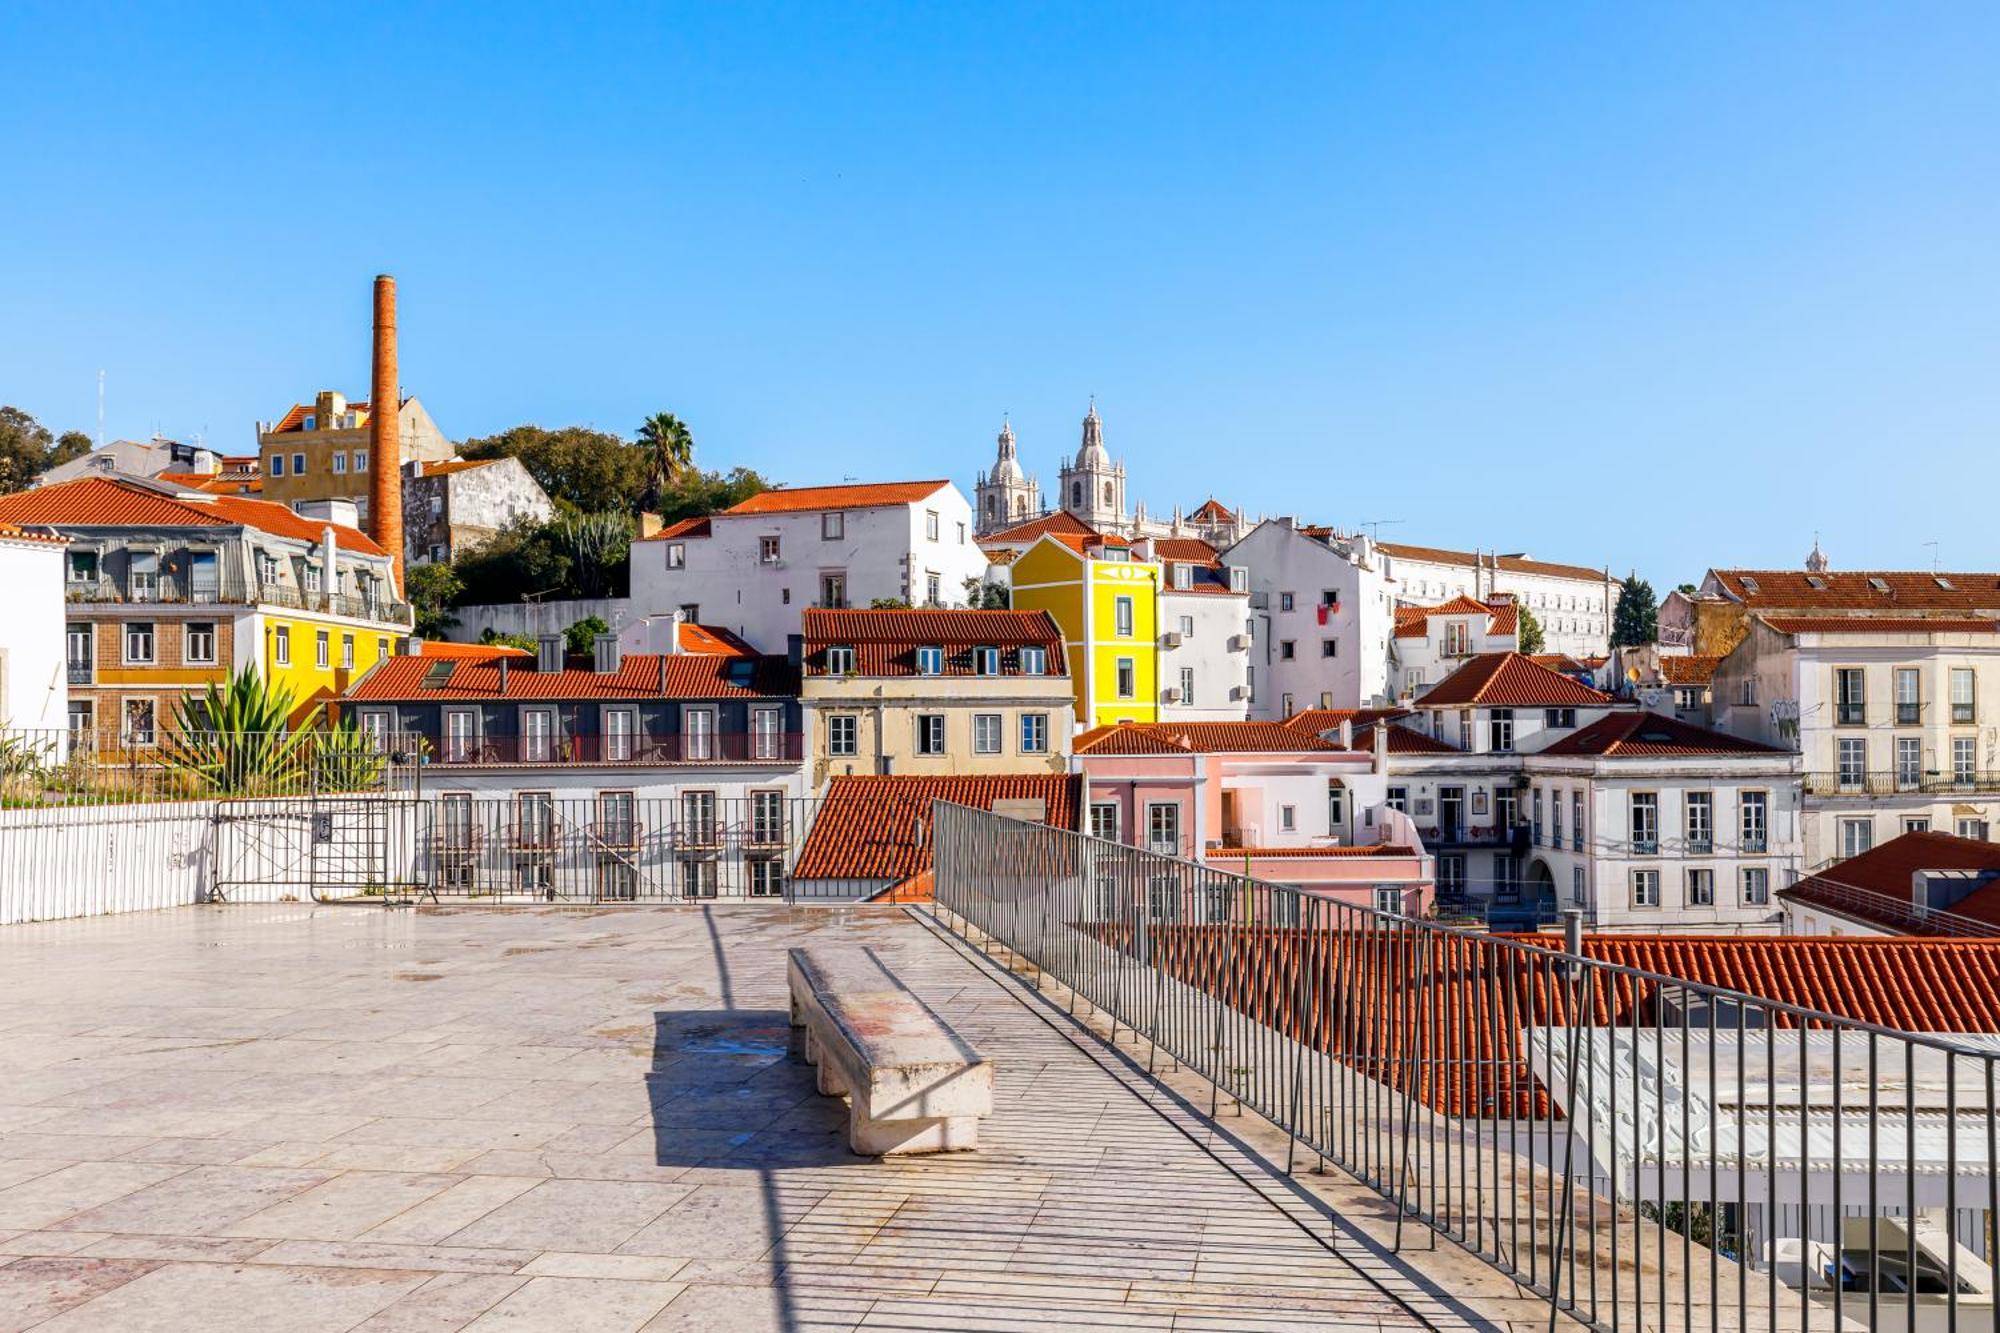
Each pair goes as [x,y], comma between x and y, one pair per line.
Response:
[1108,611]
[288,651]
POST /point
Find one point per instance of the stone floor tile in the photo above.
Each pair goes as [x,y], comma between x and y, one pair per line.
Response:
[342,1208]
[444,1304]
[451,1209]
[603,1305]
[756,1309]
[32,1290]
[54,1196]
[223,1298]
[199,1200]
[588,1216]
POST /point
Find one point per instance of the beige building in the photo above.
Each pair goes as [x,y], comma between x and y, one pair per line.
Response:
[319,450]
[933,692]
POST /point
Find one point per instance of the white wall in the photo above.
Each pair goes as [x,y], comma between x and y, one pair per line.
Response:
[1575,614]
[1281,560]
[1220,675]
[1421,662]
[534,619]
[885,552]
[34,685]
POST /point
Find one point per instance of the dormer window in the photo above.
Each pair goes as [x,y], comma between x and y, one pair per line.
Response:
[840,661]
[930,661]
[1034,661]
[1879,585]
[986,661]
[312,423]
[1183,576]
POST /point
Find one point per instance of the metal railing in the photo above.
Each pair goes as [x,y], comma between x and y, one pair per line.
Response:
[150,759]
[1927,782]
[1899,914]
[722,747]
[1642,1151]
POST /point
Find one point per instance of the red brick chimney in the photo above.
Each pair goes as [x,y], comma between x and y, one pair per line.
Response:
[385,442]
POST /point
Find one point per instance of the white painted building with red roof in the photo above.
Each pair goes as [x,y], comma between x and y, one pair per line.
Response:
[755,568]
[34,688]
[1431,642]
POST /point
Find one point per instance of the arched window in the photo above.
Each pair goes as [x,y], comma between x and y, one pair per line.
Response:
[1021,505]
[992,506]
[1076,494]
[1107,493]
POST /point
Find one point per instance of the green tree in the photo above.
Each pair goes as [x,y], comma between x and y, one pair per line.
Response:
[889,604]
[581,469]
[983,596]
[1532,639]
[1686,590]
[1637,619]
[433,590]
[581,637]
[521,561]
[24,449]
[669,447]
[70,444]
[694,493]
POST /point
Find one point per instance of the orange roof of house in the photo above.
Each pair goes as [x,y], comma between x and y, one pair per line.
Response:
[1413,622]
[1885,877]
[1317,721]
[1022,533]
[885,643]
[1212,511]
[1690,670]
[1635,735]
[1562,662]
[639,676]
[214,483]
[1504,680]
[1513,564]
[880,827]
[1402,739]
[695,638]
[686,527]
[19,534]
[1881,624]
[1186,550]
[869,495]
[470,652]
[1200,738]
[296,417]
[114,502]
[1902,590]
[448,466]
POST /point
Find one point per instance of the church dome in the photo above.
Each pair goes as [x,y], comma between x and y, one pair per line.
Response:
[1007,467]
[1092,456]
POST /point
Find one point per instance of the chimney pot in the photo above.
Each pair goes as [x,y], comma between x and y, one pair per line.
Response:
[606,658]
[549,652]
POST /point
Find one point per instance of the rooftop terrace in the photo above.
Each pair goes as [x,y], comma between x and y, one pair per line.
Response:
[348,1118]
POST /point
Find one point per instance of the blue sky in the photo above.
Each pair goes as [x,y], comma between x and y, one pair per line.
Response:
[1661,288]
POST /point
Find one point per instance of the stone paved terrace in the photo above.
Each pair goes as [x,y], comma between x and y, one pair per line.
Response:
[343,1118]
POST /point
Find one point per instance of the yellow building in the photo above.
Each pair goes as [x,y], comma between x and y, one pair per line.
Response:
[1106,602]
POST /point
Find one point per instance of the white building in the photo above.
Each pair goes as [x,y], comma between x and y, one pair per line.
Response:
[1431,642]
[755,568]
[1204,677]
[136,458]
[34,688]
[1572,603]
[1322,614]
[1894,720]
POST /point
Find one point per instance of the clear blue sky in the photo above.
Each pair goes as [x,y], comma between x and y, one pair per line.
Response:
[1661,287]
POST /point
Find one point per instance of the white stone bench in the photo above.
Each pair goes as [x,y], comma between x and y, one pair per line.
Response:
[913,1085]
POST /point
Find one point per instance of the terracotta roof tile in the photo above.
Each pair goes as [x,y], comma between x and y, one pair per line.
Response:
[1200,738]
[1212,512]
[1884,877]
[1513,564]
[1900,590]
[639,676]
[123,502]
[1318,721]
[19,534]
[1187,550]
[1688,670]
[1509,680]
[1022,533]
[687,527]
[880,827]
[1502,617]
[712,639]
[1630,735]
[885,643]
[1403,740]
[1881,624]
[871,495]
[471,652]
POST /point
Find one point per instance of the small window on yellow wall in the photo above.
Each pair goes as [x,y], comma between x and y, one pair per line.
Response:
[281,645]
[322,649]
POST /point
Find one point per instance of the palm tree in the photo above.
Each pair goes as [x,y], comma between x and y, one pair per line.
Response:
[669,447]
[237,740]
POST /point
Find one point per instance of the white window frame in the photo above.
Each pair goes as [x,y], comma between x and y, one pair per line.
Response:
[930,660]
[986,661]
[1645,888]
[1700,888]
[281,644]
[987,732]
[538,733]
[1756,886]
[767,733]
[833,526]
[1034,733]
[840,660]
[1127,678]
[843,735]
[1124,618]
[621,725]
[700,733]
[930,737]
[1102,828]
[1033,661]
[151,635]
[1163,827]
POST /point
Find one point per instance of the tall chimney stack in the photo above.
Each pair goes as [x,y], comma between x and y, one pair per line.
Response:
[385,442]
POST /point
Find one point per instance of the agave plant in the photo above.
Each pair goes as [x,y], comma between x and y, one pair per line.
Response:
[345,758]
[598,545]
[237,739]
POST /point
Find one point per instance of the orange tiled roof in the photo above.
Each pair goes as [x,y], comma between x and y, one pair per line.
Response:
[880,827]
[712,639]
[121,502]
[1402,740]
[451,465]
[470,652]
[1881,624]
[1630,735]
[1562,662]
[1509,680]
[885,643]
[214,483]
[1186,550]
[1513,564]
[687,527]
[1317,721]
[296,418]
[1506,616]
[20,534]
[1023,533]
[639,676]
[1689,670]
[870,495]
[1212,512]
[1902,590]
[1887,870]
[1200,738]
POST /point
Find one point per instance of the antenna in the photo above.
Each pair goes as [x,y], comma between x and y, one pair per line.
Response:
[1378,524]
[100,409]
[1934,554]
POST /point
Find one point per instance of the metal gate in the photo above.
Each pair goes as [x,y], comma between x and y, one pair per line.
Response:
[314,847]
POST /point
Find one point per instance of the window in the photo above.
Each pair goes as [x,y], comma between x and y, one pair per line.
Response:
[986,733]
[1645,888]
[1964,761]
[1163,828]
[1034,661]
[832,527]
[698,733]
[322,649]
[1700,823]
[930,525]
[339,462]
[1465,729]
[1853,760]
[618,732]
[1127,678]
[1457,638]
[986,661]
[1500,730]
[840,660]
[1754,823]
[933,589]
[843,734]
[1287,650]
[83,566]
[1961,694]
[1559,717]
[1850,696]
[1187,687]
[1856,836]
[1909,701]
[1284,601]
[1916,824]
[1104,820]
[81,652]
[767,736]
[1183,577]
[1397,798]
[537,726]
[930,661]
[461,735]
[139,643]
[1451,875]
[1506,809]
[1288,819]
[698,823]
[961,534]
[1187,627]
[277,465]
[1388,899]
[1579,886]
[1329,648]
[930,733]
[381,649]
[833,590]
[768,550]
[198,642]
[1336,808]
[1975,829]
[142,576]
[1701,887]
[677,555]
[1645,822]
[1576,820]
[1756,886]
[1909,762]
[1034,733]
[360,460]
[1123,611]
[767,877]
[139,721]
[347,651]
[281,645]
[1536,818]
[298,465]
[1555,819]
[698,879]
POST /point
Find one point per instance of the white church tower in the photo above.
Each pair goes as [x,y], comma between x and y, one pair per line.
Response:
[1094,488]
[1006,495]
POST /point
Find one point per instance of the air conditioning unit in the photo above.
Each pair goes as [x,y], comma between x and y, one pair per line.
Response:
[1171,639]
[1239,692]
[1171,696]
[1239,643]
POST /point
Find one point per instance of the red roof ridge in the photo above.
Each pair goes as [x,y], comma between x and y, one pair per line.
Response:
[1510,679]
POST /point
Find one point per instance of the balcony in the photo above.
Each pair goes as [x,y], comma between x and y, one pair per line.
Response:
[641,750]
[1451,835]
[170,590]
[82,673]
[1929,782]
